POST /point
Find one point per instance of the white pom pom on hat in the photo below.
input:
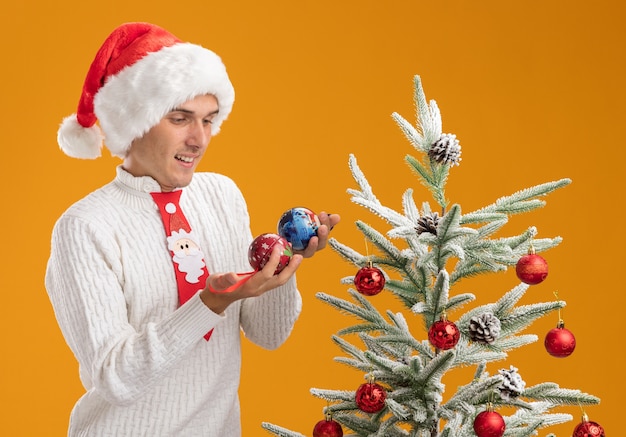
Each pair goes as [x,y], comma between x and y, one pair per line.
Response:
[140,73]
[78,141]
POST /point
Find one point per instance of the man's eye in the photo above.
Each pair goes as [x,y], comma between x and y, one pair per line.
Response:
[177,118]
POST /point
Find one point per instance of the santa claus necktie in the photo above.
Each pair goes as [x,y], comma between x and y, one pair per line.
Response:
[187,257]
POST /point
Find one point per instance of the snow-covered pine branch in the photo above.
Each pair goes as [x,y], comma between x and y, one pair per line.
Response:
[280,431]
[521,201]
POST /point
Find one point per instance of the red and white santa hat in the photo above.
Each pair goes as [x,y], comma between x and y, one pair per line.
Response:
[140,73]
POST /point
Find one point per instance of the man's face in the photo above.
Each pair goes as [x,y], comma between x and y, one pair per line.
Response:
[171,150]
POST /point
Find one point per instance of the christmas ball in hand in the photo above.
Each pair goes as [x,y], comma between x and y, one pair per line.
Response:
[444,334]
[587,428]
[261,248]
[298,225]
[370,397]
[531,269]
[369,281]
[489,424]
[560,342]
[327,428]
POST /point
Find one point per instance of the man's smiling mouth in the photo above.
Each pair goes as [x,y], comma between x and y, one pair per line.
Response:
[186,159]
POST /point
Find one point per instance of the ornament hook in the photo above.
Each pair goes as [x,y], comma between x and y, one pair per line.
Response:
[367,255]
[585,417]
[561,322]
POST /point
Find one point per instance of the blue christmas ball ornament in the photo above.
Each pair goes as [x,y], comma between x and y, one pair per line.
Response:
[298,225]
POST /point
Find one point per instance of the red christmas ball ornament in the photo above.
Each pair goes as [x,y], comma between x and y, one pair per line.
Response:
[261,248]
[559,341]
[369,281]
[531,268]
[587,428]
[444,334]
[370,397]
[489,424]
[327,428]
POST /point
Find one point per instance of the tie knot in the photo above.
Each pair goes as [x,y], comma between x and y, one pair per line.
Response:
[171,213]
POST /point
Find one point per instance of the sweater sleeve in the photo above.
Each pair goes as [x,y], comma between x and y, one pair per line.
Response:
[268,320]
[84,281]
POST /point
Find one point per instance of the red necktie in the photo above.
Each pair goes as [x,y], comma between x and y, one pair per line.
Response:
[187,257]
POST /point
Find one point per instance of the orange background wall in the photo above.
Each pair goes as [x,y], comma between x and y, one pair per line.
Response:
[533,90]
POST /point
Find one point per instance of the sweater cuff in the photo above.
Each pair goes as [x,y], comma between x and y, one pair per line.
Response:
[195,319]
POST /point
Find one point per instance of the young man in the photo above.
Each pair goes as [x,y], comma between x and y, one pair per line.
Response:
[149,275]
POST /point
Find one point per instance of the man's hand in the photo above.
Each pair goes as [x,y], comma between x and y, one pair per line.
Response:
[327,222]
[217,299]
[259,283]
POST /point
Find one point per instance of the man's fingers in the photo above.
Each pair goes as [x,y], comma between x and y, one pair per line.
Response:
[221,281]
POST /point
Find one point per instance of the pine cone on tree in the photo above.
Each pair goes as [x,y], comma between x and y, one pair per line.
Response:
[484,329]
[428,223]
[446,150]
[512,384]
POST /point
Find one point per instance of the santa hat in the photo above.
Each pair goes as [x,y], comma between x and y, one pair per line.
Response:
[140,73]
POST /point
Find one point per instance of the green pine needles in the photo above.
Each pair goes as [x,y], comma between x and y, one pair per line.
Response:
[423,255]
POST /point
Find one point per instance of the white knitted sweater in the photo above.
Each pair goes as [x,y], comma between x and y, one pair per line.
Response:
[144,363]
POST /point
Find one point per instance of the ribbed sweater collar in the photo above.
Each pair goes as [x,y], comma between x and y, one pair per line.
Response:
[135,191]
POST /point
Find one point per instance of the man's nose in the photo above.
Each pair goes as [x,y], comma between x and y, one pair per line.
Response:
[200,134]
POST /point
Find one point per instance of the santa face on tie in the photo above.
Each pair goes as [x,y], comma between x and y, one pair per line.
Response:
[187,254]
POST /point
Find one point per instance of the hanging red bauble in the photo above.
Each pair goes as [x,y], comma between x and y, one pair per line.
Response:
[560,342]
[444,334]
[369,280]
[489,424]
[370,397]
[531,268]
[327,428]
[586,428]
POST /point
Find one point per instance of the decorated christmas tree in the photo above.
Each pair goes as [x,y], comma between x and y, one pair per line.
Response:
[422,259]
